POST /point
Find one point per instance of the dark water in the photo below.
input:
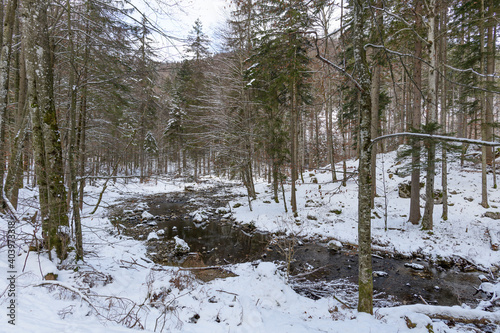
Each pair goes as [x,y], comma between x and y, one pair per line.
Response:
[217,242]
[223,242]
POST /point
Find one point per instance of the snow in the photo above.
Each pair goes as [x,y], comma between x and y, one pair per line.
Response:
[146,215]
[152,235]
[181,245]
[116,289]
[415,266]
[464,235]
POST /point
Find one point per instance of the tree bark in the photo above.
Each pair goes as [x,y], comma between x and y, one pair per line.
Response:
[427,218]
[416,115]
[5,56]
[365,279]
[375,100]
[46,140]
[484,116]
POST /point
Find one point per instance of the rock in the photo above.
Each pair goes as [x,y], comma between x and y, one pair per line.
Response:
[152,236]
[415,266]
[161,232]
[334,245]
[194,319]
[493,215]
[489,288]
[469,199]
[181,246]
[380,274]
[483,278]
[147,215]
[404,190]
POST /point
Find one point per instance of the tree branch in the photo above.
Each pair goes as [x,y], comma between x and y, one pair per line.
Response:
[438,138]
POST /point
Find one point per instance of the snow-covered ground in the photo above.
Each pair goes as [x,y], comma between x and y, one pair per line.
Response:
[116,289]
[329,210]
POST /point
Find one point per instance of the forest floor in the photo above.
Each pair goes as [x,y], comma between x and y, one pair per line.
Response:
[120,287]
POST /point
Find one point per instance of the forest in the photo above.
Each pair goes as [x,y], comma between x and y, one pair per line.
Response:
[297,85]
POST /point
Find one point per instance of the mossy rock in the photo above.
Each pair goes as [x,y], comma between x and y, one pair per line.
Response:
[493,215]
[404,190]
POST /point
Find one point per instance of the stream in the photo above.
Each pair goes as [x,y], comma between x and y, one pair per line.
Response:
[315,271]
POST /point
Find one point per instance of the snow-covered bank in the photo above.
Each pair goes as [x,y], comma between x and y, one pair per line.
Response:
[329,210]
[117,289]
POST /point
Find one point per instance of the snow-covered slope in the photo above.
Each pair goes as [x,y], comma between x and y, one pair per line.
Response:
[116,289]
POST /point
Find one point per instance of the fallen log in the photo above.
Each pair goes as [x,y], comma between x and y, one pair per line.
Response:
[450,313]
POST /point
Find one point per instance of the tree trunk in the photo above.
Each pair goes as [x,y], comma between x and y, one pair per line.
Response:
[73,149]
[444,114]
[47,144]
[365,302]
[416,115]
[375,100]
[375,94]
[484,118]
[5,56]
[427,218]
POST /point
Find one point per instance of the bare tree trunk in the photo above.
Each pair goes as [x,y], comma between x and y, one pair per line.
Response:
[416,115]
[73,149]
[375,100]
[375,94]
[293,149]
[5,56]
[427,218]
[365,302]
[47,144]
[490,80]
[444,114]
[484,118]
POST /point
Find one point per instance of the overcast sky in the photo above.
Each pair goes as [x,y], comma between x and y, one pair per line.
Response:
[179,21]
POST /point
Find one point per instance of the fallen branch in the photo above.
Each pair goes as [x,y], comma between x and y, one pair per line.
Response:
[308,273]
[201,268]
[342,302]
[70,288]
[227,292]
[438,138]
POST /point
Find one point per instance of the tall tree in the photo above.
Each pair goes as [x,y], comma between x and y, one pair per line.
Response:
[416,119]
[46,137]
[283,46]
[432,111]
[365,280]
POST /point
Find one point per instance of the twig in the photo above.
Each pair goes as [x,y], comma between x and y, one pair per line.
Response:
[342,302]
[70,288]
[423,300]
[308,273]
[227,292]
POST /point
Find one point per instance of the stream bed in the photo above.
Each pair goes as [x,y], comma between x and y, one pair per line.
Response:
[203,221]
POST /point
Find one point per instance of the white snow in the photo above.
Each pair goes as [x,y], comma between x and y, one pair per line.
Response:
[152,236]
[117,289]
[146,215]
[181,245]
